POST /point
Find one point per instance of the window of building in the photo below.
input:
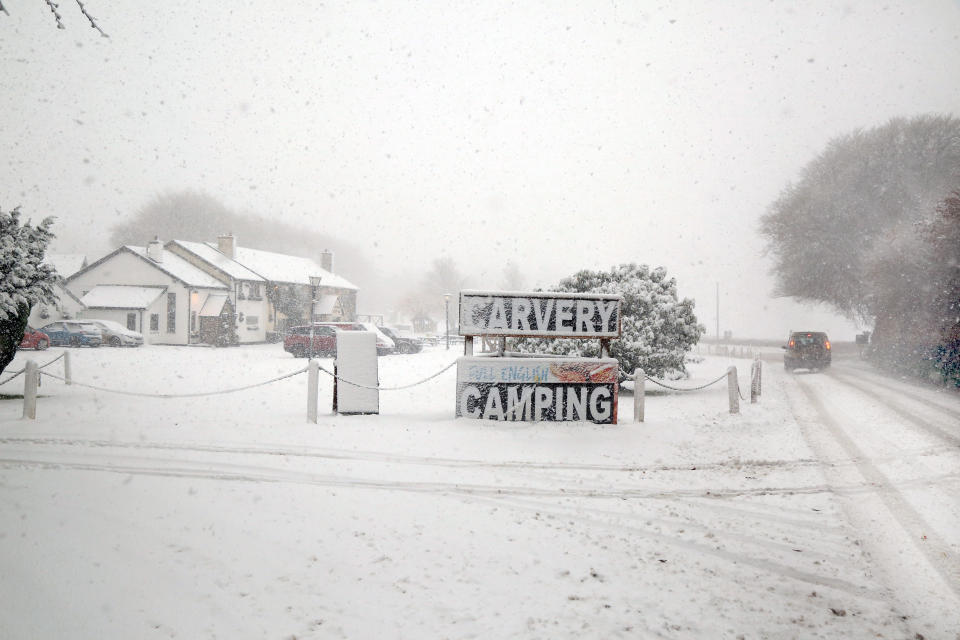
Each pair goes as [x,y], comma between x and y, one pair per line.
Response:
[132,321]
[253,322]
[171,313]
[154,322]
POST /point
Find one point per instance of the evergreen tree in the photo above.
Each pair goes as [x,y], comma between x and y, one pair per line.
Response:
[658,328]
[24,279]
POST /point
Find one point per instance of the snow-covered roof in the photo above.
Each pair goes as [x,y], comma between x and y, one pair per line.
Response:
[121,296]
[180,269]
[213,256]
[66,264]
[279,267]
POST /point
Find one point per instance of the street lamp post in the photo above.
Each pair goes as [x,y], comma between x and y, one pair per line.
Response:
[446,313]
[314,285]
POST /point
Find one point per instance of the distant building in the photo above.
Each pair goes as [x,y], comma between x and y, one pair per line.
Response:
[183,292]
[290,297]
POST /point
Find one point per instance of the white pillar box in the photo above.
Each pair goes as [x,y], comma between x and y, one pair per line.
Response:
[356,363]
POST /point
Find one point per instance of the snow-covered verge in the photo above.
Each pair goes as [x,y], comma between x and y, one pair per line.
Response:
[229,516]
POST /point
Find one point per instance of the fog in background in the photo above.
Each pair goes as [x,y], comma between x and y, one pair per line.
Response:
[556,136]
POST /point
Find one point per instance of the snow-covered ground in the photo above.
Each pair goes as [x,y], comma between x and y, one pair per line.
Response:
[830,509]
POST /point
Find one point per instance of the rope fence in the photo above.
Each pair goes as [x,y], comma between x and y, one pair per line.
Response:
[43,366]
[382,388]
[34,373]
[177,395]
[734,393]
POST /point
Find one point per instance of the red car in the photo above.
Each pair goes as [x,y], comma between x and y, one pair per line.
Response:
[297,341]
[33,339]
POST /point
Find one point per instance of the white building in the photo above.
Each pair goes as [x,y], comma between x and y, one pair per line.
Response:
[247,290]
[273,290]
[158,293]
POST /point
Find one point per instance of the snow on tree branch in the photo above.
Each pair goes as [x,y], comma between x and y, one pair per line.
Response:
[54,9]
[24,279]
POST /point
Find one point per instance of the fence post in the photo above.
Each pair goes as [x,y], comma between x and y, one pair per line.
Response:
[639,391]
[313,383]
[756,373]
[67,373]
[759,376]
[30,376]
[732,390]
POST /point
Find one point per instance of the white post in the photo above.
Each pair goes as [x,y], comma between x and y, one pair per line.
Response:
[639,391]
[30,390]
[67,373]
[313,381]
[732,390]
[753,381]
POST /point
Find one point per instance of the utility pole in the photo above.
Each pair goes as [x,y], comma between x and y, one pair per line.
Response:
[718,312]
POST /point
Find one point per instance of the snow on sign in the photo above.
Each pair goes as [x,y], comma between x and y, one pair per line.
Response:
[534,389]
[547,314]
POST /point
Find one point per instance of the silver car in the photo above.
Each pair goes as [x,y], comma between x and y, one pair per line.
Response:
[117,335]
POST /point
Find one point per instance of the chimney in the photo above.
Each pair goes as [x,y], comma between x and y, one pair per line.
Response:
[227,245]
[155,249]
[326,260]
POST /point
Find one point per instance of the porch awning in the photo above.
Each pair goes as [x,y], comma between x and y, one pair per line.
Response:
[325,305]
[213,305]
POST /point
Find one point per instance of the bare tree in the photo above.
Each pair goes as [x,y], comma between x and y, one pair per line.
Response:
[827,231]
[55,10]
[513,278]
[443,277]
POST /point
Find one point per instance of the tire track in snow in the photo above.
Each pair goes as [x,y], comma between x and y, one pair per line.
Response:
[471,492]
[935,550]
[257,473]
[766,565]
[373,456]
[878,379]
[949,437]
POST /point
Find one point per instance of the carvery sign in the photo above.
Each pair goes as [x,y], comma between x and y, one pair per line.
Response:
[543,314]
[523,388]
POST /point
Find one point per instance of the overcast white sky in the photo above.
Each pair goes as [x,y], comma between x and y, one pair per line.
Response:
[556,135]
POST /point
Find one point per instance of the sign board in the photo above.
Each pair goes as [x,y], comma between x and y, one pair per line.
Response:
[357,362]
[533,389]
[543,314]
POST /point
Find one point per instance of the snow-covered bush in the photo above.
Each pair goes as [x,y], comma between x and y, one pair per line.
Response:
[658,328]
[24,279]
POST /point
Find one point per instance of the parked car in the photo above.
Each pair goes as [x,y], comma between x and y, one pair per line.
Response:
[405,341]
[73,333]
[117,335]
[297,341]
[385,343]
[807,350]
[33,339]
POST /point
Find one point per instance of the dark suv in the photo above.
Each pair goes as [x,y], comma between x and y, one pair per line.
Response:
[405,343]
[807,350]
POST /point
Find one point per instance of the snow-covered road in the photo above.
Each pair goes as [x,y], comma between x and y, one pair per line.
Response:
[892,450]
[829,509]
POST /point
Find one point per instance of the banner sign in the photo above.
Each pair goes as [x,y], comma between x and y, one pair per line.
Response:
[544,314]
[534,389]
